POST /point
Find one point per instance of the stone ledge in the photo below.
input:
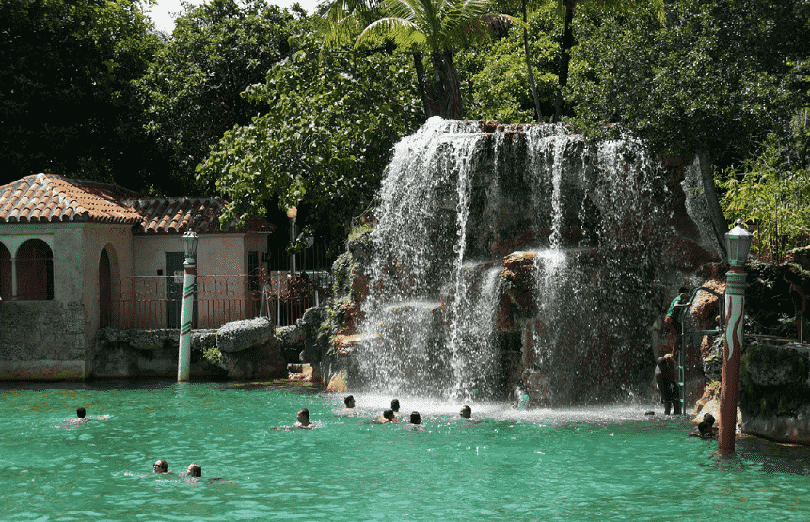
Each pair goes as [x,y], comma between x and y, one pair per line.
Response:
[42,370]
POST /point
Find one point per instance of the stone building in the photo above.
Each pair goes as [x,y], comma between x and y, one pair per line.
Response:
[76,256]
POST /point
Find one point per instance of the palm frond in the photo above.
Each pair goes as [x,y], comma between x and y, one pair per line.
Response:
[403,32]
[343,20]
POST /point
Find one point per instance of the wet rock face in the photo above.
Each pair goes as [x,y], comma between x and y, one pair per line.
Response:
[775,390]
[584,242]
[518,275]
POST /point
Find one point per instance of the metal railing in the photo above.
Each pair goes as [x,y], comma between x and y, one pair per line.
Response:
[150,302]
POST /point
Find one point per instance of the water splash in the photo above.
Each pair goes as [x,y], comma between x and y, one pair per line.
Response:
[457,198]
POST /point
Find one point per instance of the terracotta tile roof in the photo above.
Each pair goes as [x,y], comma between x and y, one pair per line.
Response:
[178,215]
[46,198]
[49,198]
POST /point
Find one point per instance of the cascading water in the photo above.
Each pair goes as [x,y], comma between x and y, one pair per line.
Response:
[448,314]
[472,330]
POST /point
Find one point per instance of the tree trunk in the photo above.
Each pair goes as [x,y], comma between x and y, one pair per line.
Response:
[565,57]
[425,87]
[713,203]
[451,107]
[537,114]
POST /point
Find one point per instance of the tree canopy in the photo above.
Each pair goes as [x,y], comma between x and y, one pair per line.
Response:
[496,75]
[715,76]
[269,107]
[67,104]
[192,90]
[325,134]
[434,27]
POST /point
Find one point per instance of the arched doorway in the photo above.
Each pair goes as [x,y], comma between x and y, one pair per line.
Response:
[104,290]
[35,271]
[5,272]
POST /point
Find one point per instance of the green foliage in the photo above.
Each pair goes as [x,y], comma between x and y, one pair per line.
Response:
[434,27]
[359,230]
[211,353]
[773,194]
[67,104]
[430,25]
[193,87]
[715,75]
[497,76]
[325,136]
[343,269]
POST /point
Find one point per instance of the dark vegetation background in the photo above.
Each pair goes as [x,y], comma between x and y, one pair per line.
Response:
[272,108]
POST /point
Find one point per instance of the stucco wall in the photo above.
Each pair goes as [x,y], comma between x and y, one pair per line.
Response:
[217,254]
[55,339]
[50,339]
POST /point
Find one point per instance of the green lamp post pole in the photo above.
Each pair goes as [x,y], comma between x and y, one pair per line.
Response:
[189,275]
[292,212]
[738,243]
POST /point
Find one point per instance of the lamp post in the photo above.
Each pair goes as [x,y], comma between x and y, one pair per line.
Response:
[738,243]
[292,212]
[190,240]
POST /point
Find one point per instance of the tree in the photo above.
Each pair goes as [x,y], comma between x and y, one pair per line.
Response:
[538,114]
[716,76]
[496,76]
[67,104]
[324,138]
[567,8]
[436,27]
[193,87]
[773,193]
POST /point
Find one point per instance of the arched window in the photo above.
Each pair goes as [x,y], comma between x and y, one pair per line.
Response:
[5,272]
[35,270]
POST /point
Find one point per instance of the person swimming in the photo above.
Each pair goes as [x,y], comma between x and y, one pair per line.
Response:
[466,414]
[706,428]
[160,466]
[302,420]
[81,418]
[387,417]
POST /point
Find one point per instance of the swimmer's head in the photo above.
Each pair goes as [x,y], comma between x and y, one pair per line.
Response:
[416,418]
[349,401]
[303,416]
[388,414]
[466,412]
[160,466]
[395,405]
[194,470]
[81,412]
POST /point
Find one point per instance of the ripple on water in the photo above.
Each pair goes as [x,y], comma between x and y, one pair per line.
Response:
[574,464]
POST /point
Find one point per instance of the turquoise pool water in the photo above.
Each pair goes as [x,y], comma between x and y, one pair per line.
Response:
[610,463]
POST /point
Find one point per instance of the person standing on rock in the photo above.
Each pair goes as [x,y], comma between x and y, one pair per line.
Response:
[666,377]
[673,318]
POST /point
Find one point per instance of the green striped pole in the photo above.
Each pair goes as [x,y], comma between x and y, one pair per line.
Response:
[184,360]
[733,341]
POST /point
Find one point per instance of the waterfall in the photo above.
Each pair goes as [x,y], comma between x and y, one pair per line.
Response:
[445,312]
